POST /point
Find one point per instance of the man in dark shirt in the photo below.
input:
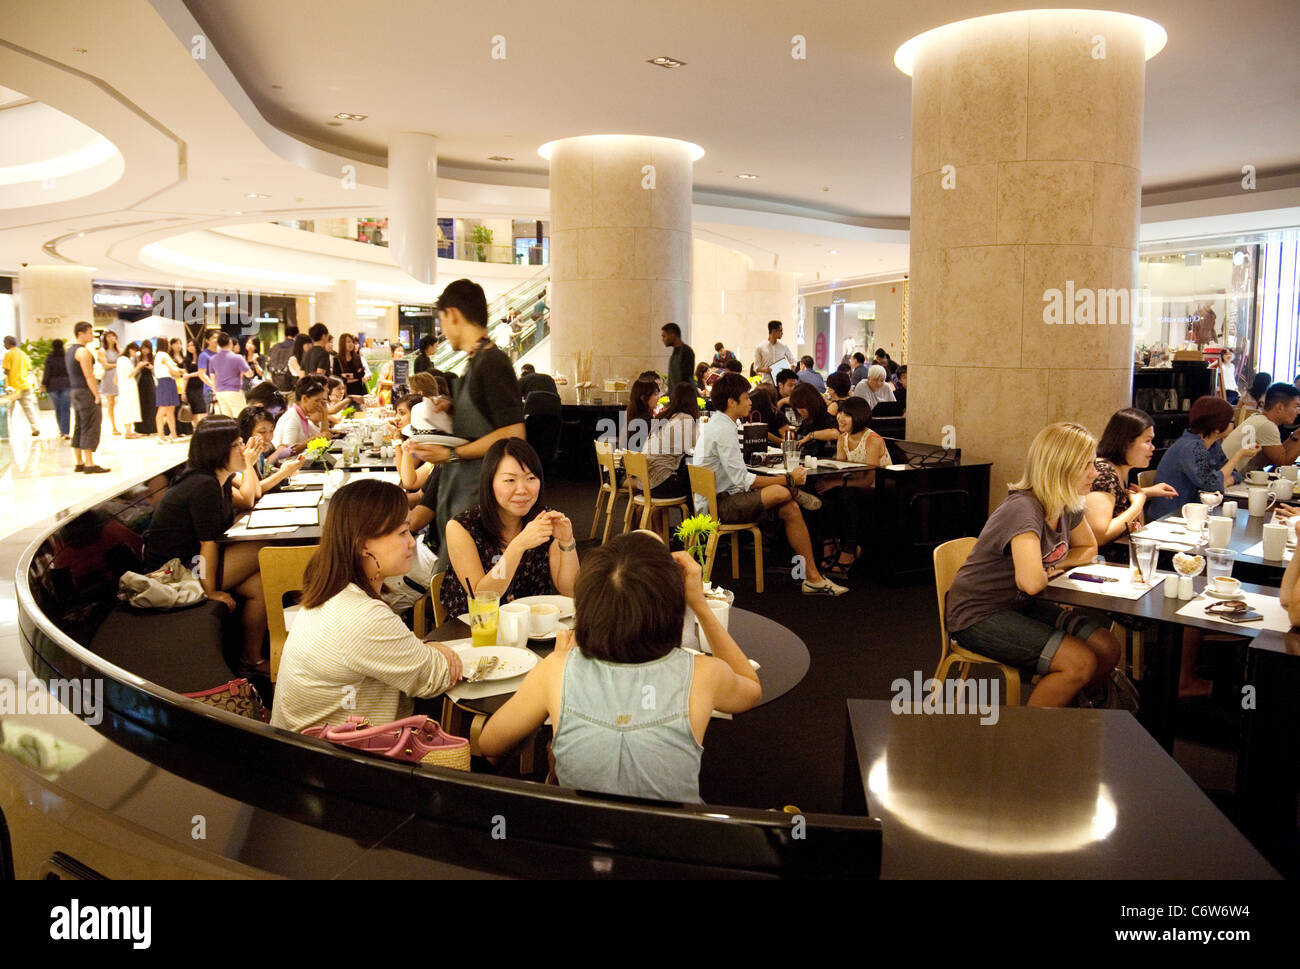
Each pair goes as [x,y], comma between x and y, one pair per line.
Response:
[681,365]
[488,404]
[317,359]
[860,368]
[530,380]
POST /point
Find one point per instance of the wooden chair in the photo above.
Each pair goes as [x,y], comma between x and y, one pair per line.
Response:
[705,484]
[1146,478]
[281,568]
[948,558]
[637,469]
[608,487]
[419,619]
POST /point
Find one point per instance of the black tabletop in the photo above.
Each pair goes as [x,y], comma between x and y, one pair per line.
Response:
[1154,605]
[1038,794]
[782,656]
[1248,531]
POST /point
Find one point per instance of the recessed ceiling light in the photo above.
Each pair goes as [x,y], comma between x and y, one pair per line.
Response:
[500,158]
[79,50]
[239,211]
[348,116]
[276,87]
[255,195]
[668,62]
[746,175]
[835,252]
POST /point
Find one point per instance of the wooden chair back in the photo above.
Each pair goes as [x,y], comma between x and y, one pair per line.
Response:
[705,484]
[281,568]
[948,559]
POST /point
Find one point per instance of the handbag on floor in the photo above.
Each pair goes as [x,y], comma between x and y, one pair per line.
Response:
[238,697]
[413,740]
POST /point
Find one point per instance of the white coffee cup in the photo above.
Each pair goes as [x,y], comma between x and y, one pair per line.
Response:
[722,610]
[1257,501]
[1282,488]
[1290,472]
[1195,513]
[1220,531]
[545,617]
[1226,585]
[1274,541]
[514,620]
[1257,477]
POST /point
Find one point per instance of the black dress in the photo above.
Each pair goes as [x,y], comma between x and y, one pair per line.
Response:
[193,387]
[532,578]
[147,386]
[353,373]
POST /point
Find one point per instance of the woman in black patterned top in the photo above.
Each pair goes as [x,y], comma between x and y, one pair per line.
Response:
[1112,508]
[509,542]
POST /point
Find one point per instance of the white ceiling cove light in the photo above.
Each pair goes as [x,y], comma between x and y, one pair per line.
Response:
[666,62]
[747,175]
[255,195]
[98,151]
[348,116]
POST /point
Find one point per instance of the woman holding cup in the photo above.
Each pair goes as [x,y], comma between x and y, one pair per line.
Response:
[509,543]
[1113,507]
[1196,461]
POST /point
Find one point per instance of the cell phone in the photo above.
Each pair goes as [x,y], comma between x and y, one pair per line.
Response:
[1243,617]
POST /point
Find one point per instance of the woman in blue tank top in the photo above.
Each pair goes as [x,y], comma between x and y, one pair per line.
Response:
[629,707]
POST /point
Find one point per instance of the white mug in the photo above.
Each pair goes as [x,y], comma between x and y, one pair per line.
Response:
[1282,488]
[1274,541]
[1220,531]
[1195,513]
[1257,501]
[513,620]
[722,610]
[1290,472]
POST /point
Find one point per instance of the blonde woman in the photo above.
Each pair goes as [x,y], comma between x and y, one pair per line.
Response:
[1036,534]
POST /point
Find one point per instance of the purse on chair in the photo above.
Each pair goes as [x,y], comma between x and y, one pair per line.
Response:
[413,740]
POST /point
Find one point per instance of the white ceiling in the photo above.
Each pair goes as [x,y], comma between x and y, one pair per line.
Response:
[829,136]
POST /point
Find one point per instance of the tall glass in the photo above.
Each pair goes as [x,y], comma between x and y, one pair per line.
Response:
[790,454]
[1142,553]
[1218,562]
[483,614]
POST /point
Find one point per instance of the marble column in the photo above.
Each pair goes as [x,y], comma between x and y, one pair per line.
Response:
[1026,183]
[337,309]
[52,300]
[620,251]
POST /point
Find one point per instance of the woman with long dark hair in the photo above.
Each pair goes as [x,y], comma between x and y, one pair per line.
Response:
[673,437]
[55,381]
[170,376]
[817,431]
[350,365]
[348,653]
[509,542]
[146,387]
[108,354]
[193,385]
[641,404]
[195,513]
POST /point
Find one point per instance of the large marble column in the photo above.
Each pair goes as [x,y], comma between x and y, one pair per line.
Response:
[1026,183]
[337,309]
[52,300]
[620,251]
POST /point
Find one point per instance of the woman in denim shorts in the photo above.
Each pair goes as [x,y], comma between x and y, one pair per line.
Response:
[1033,536]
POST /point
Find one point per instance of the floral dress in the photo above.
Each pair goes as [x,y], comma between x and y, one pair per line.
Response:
[1107,481]
[531,578]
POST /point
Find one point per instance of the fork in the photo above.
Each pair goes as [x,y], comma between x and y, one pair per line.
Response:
[485,666]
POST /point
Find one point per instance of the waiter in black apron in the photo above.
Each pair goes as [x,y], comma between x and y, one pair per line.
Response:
[488,405]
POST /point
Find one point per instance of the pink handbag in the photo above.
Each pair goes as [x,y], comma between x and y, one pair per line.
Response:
[416,740]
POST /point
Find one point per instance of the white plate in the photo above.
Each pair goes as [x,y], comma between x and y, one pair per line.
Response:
[1222,595]
[895,467]
[514,661]
[446,440]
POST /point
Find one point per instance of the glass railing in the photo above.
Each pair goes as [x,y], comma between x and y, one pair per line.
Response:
[521,252]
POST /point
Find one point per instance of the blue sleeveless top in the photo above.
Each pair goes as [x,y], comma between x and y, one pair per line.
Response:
[625,728]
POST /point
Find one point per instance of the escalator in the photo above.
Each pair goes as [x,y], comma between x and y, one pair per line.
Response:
[514,340]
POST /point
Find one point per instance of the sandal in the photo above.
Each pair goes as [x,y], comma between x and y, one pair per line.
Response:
[840,567]
[830,552]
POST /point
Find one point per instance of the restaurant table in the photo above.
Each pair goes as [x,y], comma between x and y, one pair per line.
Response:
[1041,793]
[303,534]
[1247,531]
[782,656]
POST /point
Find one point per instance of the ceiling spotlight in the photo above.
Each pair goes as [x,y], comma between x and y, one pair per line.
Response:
[835,252]
[347,116]
[255,195]
[500,158]
[668,62]
[746,175]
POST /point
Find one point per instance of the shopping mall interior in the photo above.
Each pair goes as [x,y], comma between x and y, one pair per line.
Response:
[1040,210]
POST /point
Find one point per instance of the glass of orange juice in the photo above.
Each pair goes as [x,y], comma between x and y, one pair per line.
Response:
[483,618]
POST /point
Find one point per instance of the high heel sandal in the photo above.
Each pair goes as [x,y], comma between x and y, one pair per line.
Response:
[839,567]
[830,553]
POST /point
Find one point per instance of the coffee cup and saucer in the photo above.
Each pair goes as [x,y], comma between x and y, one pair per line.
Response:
[1223,587]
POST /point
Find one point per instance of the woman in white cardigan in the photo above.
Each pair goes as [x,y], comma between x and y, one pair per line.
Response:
[128,394]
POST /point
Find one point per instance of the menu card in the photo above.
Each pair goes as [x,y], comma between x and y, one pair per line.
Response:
[283,517]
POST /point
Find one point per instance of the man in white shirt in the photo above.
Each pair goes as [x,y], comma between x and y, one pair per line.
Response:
[1281,406]
[770,354]
[745,497]
[875,389]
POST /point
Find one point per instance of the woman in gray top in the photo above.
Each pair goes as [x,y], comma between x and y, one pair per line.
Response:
[1035,535]
[629,708]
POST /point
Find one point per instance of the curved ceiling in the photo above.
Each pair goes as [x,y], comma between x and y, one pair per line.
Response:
[50,155]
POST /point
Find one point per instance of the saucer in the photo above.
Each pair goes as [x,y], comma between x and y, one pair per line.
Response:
[1222,595]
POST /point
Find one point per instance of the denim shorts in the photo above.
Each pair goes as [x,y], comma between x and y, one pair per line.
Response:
[1029,637]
